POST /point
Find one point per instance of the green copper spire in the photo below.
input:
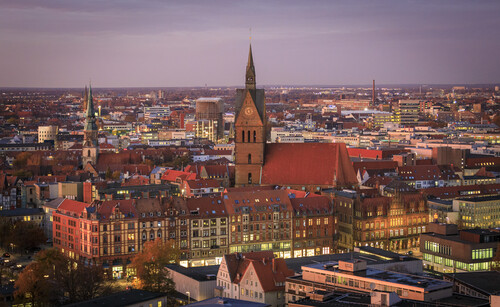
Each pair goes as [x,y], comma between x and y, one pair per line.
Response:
[90,124]
[250,75]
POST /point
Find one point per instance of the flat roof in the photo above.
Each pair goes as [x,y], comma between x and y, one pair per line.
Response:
[480,198]
[225,301]
[487,281]
[21,212]
[196,273]
[428,284]
[122,298]
[371,255]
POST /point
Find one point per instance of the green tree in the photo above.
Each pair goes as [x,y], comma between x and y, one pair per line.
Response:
[150,265]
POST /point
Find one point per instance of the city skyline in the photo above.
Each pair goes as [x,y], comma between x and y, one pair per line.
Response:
[154,44]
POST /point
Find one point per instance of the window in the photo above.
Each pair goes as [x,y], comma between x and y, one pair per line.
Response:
[254,136]
[248,139]
[249,158]
[249,178]
[243,136]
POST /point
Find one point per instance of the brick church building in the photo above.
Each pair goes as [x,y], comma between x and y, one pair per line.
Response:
[310,167]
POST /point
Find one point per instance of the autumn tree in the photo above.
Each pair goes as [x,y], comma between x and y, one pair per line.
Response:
[32,286]
[70,281]
[150,266]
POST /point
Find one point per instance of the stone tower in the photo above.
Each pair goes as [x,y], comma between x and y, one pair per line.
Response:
[90,148]
[250,134]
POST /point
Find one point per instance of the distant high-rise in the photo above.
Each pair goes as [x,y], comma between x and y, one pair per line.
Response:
[406,112]
[211,111]
[90,148]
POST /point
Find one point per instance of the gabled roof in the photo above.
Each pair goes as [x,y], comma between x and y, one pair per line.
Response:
[235,263]
[69,206]
[172,175]
[272,272]
[269,270]
[419,172]
[375,165]
[308,164]
[211,206]
[258,201]
[312,205]
[202,183]
[108,207]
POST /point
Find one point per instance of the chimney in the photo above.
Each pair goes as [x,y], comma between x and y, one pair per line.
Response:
[274,265]
[373,93]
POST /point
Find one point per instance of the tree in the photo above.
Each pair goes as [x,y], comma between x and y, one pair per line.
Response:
[150,266]
[33,286]
[21,160]
[26,235]
[69,281]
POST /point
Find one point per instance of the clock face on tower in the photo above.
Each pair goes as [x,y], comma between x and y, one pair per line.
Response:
[248,111]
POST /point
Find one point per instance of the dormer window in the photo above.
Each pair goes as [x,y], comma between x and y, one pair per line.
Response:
[158,213]
[151,214]
[143,214]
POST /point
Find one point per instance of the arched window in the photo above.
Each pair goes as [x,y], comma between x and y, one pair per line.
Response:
[159,234]
[248,139]
[88,153]
[249,158]
[249,178]
[254,136]
[243,136]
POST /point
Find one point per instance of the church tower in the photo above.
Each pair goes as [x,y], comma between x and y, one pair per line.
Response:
[90,148]
[250,126]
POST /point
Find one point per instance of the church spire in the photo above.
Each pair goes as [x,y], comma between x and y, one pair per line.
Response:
[90,104]
[250,75]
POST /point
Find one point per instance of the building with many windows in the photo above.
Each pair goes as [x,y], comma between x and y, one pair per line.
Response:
[391,222]
[260,221]
[256,277]
[482,212]
[446,249]
[354,276]
[312,227]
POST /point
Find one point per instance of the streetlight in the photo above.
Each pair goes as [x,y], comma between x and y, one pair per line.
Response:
[189,297]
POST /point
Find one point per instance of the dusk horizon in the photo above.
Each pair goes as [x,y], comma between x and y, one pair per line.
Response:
[153,44]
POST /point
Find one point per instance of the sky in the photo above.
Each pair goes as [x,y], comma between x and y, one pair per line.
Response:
[159,43]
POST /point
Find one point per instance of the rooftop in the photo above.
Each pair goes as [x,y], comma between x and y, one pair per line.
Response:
[486,281]
[203,273]
[428,284]
[123,298]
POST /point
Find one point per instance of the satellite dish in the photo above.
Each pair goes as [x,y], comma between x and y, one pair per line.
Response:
[372,286]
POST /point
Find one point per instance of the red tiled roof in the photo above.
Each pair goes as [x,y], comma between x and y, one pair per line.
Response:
[315,205]
[212,206]
[72,206]
[373,181]
[375,165]
[419,172]
[257,201]
[171,175]
[272,272]
[108,207]
[463,190]
[202,183]
[308,164]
